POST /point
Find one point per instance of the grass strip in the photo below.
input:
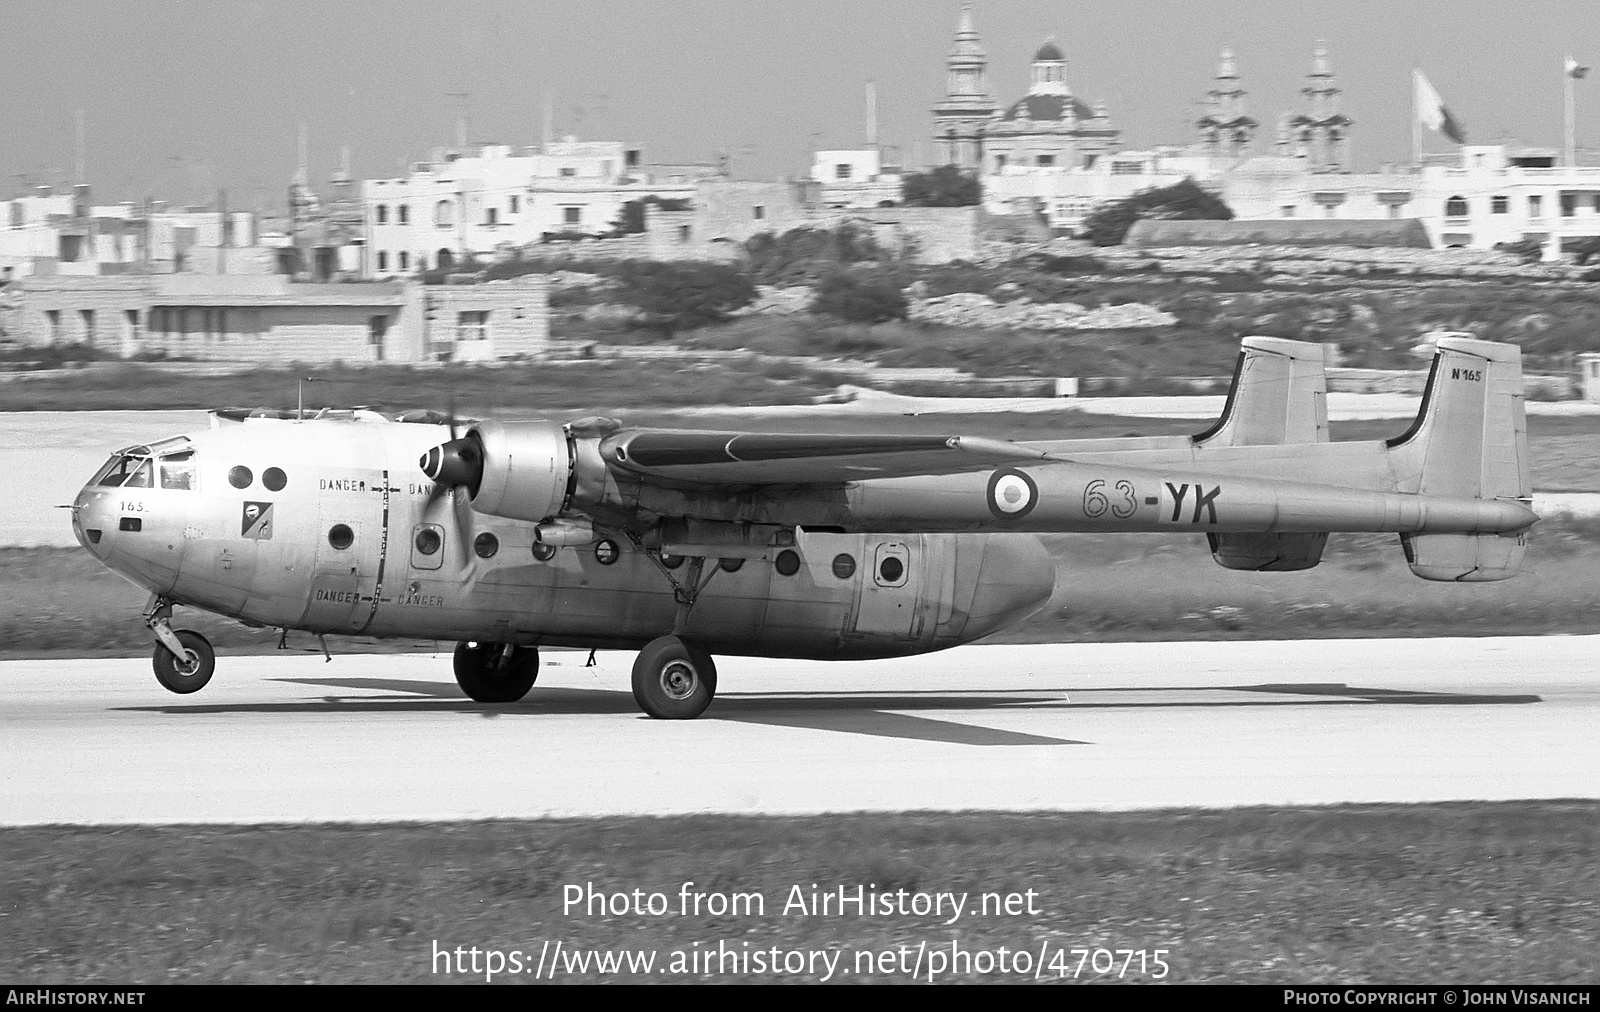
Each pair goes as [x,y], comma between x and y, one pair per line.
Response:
[1466,893]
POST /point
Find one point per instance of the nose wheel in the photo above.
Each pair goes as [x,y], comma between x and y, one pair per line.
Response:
[188,671]
[673,679]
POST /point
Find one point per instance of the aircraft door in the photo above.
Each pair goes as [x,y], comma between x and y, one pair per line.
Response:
[352,542]
[890,587]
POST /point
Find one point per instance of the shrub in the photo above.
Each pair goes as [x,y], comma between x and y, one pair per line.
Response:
[860,297]
[802,255]
[946,186]
[1108,225]
[683,294]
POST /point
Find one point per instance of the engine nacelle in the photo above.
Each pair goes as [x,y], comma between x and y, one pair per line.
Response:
[527,469]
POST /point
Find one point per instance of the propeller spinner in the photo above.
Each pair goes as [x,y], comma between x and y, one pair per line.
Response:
[456,463]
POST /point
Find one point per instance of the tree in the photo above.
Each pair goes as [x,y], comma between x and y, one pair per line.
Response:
[946,186]
[1108,225]
[683,295]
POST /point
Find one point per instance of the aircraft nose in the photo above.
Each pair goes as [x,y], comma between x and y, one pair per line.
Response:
[1017,577]
[93,520]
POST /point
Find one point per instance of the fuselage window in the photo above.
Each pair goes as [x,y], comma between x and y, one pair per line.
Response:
[177,471]
[844,566]
[891,569]
[428,541]
[672,561]
[606,552]
[486,545]
[240,476]
[274,479]
[341,536]
[730,565]
[543,552]
[787,562]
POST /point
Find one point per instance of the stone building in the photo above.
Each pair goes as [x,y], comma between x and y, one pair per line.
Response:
[271,319]
[493,198]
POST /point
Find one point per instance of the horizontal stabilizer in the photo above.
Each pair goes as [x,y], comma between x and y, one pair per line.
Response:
[1465,558]
[1267,552]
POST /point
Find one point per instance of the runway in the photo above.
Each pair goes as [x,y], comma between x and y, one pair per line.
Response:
[1057,727]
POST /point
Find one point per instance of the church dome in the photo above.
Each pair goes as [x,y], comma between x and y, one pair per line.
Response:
[1049,51]
[1047,107]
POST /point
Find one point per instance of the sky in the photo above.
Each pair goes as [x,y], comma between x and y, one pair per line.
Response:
[181,98]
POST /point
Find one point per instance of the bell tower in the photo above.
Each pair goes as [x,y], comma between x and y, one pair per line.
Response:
[1322,132]
[1225,129]
[958,120]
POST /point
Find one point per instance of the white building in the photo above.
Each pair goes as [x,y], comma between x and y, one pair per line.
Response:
[497,198]
[856,178]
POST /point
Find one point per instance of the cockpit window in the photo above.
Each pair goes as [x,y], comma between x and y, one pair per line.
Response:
[124,468]
[143,476]
[178,471]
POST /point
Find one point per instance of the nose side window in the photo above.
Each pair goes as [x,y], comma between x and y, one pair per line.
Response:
[143,476]
[178,472]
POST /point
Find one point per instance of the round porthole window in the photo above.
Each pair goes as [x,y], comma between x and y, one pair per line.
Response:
[543,552]
[844,566]
[486,545]
[787,562]
[428,541]
[730,565]
[606,552]
[672,561]
[274,479]
[240,476]
[341,536]
[891,569]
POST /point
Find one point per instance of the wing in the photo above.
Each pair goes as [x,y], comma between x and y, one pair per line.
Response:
[754,458]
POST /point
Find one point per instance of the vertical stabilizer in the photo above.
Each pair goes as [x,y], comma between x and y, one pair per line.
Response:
[1469,440]
[1279,395]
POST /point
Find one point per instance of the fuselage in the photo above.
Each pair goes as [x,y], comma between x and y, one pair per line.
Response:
[328,526]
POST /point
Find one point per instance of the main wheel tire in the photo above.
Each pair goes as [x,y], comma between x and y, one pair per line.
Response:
[188,673]
[673,680]
[491,673]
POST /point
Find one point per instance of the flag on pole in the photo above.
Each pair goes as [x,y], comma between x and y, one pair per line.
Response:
[1430,109]
[1574,71]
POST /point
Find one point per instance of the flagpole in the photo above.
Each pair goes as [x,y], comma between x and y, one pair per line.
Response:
[1571,118]
[1416,123]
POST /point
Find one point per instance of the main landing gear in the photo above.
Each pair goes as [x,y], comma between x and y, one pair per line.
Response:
[673,679]
[495,672]
[183,659]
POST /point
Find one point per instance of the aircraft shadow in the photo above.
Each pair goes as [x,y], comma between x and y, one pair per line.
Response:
[869,713]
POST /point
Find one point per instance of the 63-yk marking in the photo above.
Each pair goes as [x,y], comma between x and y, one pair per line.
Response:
[1183,503]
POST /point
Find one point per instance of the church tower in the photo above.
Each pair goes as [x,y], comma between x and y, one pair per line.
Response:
[1225,129]
[1322,132]
[958,120]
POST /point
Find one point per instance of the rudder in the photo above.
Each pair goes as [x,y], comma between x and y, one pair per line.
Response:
[1470,441]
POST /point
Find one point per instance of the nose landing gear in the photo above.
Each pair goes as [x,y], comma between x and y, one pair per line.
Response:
[183,659]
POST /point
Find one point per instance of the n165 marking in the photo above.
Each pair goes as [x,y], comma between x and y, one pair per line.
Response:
[1475,375]
[1121,501]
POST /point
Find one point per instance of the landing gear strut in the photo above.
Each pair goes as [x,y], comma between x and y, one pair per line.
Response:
[495,672]
[673,679]
[183,659]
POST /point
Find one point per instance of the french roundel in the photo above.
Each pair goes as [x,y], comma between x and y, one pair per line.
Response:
[1012,494]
